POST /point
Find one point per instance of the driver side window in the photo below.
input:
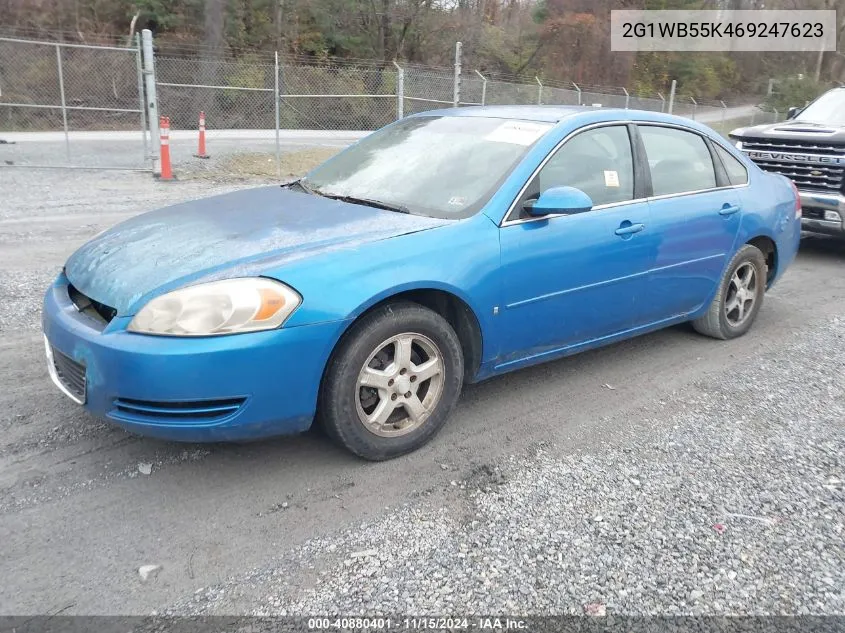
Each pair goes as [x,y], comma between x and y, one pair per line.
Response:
[599,162]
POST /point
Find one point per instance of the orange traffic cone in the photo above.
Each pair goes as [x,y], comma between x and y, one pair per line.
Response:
[201,150]
[166,171]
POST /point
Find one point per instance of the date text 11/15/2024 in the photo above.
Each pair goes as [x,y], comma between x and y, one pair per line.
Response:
[417,623]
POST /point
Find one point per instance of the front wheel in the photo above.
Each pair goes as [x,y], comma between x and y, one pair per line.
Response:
[739,298]
[392,382]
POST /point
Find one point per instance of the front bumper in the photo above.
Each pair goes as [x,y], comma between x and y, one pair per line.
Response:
[816,205]
[220,388]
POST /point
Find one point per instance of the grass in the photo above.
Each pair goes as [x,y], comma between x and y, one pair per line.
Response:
[728,125]
[248,165]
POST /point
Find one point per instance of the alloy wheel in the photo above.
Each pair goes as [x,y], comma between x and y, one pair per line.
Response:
[742,294]
[399,385]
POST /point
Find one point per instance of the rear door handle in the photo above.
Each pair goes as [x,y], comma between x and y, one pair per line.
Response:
[729,209]
[630,229]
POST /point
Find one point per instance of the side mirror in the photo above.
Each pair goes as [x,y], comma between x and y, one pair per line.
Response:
[792,112]
[560,201]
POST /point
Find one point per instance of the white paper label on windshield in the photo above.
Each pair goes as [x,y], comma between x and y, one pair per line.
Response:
[518,132]
[611,179]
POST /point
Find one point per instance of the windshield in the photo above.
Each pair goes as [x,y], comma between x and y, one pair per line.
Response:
[828,109]
[441,167]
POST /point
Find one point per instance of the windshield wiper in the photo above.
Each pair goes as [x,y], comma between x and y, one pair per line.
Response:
[378,204]
[307,189]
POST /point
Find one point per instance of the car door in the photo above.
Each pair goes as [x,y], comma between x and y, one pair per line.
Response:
[695,216]
[571,279]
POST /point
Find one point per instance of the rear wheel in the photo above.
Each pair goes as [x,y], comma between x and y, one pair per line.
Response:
[739,298]
[393,381]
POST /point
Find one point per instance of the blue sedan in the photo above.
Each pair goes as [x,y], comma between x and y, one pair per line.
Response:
[445,248]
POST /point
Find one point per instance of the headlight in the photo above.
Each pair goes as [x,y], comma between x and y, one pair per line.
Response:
[220,307]
[738,144]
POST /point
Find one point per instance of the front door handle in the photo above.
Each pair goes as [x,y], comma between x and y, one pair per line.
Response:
[729,209]
[629,229]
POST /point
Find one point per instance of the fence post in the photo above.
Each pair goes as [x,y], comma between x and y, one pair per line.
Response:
[483,88]
[627,97]
[662,102]
[539,90]
[400,91]
[276,112]
[140,71]
[694,107]
[672,95]
[62,95]
[777,114]
[579,92]
[151,101]
[456,97]
[724,111]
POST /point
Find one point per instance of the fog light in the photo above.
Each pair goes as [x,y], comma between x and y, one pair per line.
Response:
[832,216]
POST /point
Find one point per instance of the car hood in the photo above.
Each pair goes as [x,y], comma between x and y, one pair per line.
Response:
[238,234]
[792,131]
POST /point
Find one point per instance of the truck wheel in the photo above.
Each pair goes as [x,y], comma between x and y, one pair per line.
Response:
[739,298]
[393,381]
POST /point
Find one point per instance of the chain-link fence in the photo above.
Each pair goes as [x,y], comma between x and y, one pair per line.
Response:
[77,90]
[242,94]
[68,88]
[341,96]
[337,97]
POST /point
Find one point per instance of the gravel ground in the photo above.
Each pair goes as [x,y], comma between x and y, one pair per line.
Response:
[129,153]
[99,200]
[735,507]
[666,474]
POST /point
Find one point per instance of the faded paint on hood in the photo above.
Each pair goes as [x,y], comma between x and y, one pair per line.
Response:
[231,235]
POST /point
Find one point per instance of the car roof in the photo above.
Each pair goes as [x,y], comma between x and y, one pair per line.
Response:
[557,113]
[544,113]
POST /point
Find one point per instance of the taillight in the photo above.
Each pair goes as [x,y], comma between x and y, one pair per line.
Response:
[798,212]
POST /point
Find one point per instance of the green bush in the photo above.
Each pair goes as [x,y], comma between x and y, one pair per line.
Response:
[793,91]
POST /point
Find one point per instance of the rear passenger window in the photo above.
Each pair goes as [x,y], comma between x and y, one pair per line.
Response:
[737,173]
[679,160]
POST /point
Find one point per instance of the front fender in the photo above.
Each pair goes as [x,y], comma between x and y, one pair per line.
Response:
[461,258]
[423,284]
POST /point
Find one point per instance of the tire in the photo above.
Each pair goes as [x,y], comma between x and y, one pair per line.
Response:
[723,323]
[377,403]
